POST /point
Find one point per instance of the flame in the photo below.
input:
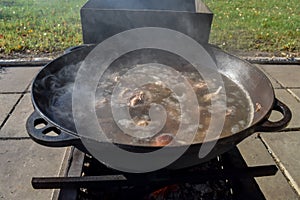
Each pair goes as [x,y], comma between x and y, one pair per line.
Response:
[162,192]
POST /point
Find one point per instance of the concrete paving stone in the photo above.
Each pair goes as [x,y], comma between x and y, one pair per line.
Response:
[7,101]
[288,75]
[296,92]
[16,79]
[292,103]
[285,145]
[273,81]
[20,161]
[15,125]
[255,154]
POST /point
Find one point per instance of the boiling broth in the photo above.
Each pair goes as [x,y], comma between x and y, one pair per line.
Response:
[58,87]
[238,109]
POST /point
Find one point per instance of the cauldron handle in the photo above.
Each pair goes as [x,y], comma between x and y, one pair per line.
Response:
[70,49]
[269,126]
[39,135]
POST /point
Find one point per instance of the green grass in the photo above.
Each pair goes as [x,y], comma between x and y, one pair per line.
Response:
[33,26]
[256,25]
[46,26]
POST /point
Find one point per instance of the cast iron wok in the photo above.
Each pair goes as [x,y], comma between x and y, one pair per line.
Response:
[254,82]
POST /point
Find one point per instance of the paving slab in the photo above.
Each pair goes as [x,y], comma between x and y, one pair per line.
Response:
[287,75]
[20,161]
[15,125]
[7,101]
[255,154]
[16,79]
[292,103]
[297,93]
[285,145]
[275,84]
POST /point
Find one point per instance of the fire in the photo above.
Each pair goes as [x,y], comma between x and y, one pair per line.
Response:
[163,192]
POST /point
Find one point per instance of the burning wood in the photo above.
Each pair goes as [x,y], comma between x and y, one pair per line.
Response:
[209,190]
[163,192]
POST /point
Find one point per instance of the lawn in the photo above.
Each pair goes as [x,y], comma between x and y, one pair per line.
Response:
[45,26]
[256,25]
[39,26]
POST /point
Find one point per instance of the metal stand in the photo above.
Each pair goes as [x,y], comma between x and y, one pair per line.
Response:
[234,170]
